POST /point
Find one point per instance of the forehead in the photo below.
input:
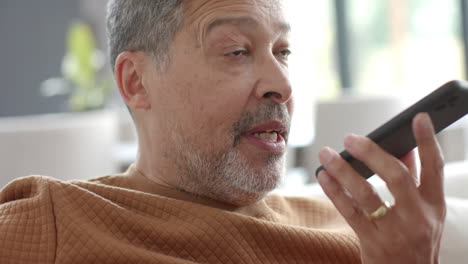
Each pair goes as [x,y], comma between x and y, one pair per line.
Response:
[201,14]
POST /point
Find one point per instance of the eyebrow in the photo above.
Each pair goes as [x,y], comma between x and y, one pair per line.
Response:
[242,21]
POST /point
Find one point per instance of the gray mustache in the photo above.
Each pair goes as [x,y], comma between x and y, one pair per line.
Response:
[264,113]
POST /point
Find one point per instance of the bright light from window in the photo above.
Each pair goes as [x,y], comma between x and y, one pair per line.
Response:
[310,63]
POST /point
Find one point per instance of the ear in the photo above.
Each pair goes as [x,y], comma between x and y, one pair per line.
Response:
[129,78]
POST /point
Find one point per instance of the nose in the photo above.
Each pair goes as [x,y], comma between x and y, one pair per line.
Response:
[273,81]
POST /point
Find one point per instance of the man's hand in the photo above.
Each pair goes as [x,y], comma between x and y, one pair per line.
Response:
[410,232]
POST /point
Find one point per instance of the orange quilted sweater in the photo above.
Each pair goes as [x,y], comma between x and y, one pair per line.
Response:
[114,220]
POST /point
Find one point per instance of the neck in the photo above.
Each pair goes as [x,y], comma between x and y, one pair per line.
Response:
[150,183]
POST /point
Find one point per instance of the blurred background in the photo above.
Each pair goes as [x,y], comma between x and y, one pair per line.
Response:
[354,65]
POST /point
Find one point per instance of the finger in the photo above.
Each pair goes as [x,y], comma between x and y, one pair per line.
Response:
[343,202]
[432,162]
[395,174]
[410,162]
[360,190]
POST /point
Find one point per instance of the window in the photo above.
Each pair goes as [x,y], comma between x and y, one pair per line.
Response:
[404,47]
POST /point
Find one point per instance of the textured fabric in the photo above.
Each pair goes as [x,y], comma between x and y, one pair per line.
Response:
[114,220]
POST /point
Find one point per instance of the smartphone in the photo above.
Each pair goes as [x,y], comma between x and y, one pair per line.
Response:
[445,105]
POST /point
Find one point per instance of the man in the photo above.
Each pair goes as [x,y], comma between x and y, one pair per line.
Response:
[207,84]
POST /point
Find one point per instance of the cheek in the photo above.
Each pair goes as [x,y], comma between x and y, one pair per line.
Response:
[207,102]
[213,115]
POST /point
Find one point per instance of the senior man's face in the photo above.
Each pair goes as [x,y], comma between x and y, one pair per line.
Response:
[222,108]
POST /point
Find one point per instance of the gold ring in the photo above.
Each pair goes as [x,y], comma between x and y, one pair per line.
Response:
[380,212]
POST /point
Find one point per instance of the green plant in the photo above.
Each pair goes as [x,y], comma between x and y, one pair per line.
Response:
[81,67]
[83,80]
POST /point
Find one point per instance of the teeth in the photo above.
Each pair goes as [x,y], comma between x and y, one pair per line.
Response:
[270,136]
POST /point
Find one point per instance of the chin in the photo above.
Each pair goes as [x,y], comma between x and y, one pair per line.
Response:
[251,184]
[230,176]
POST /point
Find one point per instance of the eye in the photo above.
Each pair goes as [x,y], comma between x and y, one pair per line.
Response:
[237,53]
[284,53]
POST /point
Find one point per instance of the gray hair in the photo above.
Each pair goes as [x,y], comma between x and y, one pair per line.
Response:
[143,25]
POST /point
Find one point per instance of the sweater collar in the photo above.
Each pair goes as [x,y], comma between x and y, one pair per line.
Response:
[140,182]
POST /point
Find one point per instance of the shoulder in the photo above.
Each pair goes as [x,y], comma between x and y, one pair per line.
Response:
[26,188]
[27,197]
[27,222]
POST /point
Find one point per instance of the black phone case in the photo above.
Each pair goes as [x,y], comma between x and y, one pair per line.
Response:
[445,105]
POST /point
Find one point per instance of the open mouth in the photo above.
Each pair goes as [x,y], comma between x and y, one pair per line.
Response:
[270,136]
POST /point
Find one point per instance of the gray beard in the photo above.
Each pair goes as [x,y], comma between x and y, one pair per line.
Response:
[226,175]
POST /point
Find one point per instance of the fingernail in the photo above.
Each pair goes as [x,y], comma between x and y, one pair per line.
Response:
[350,141]
[326,155]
